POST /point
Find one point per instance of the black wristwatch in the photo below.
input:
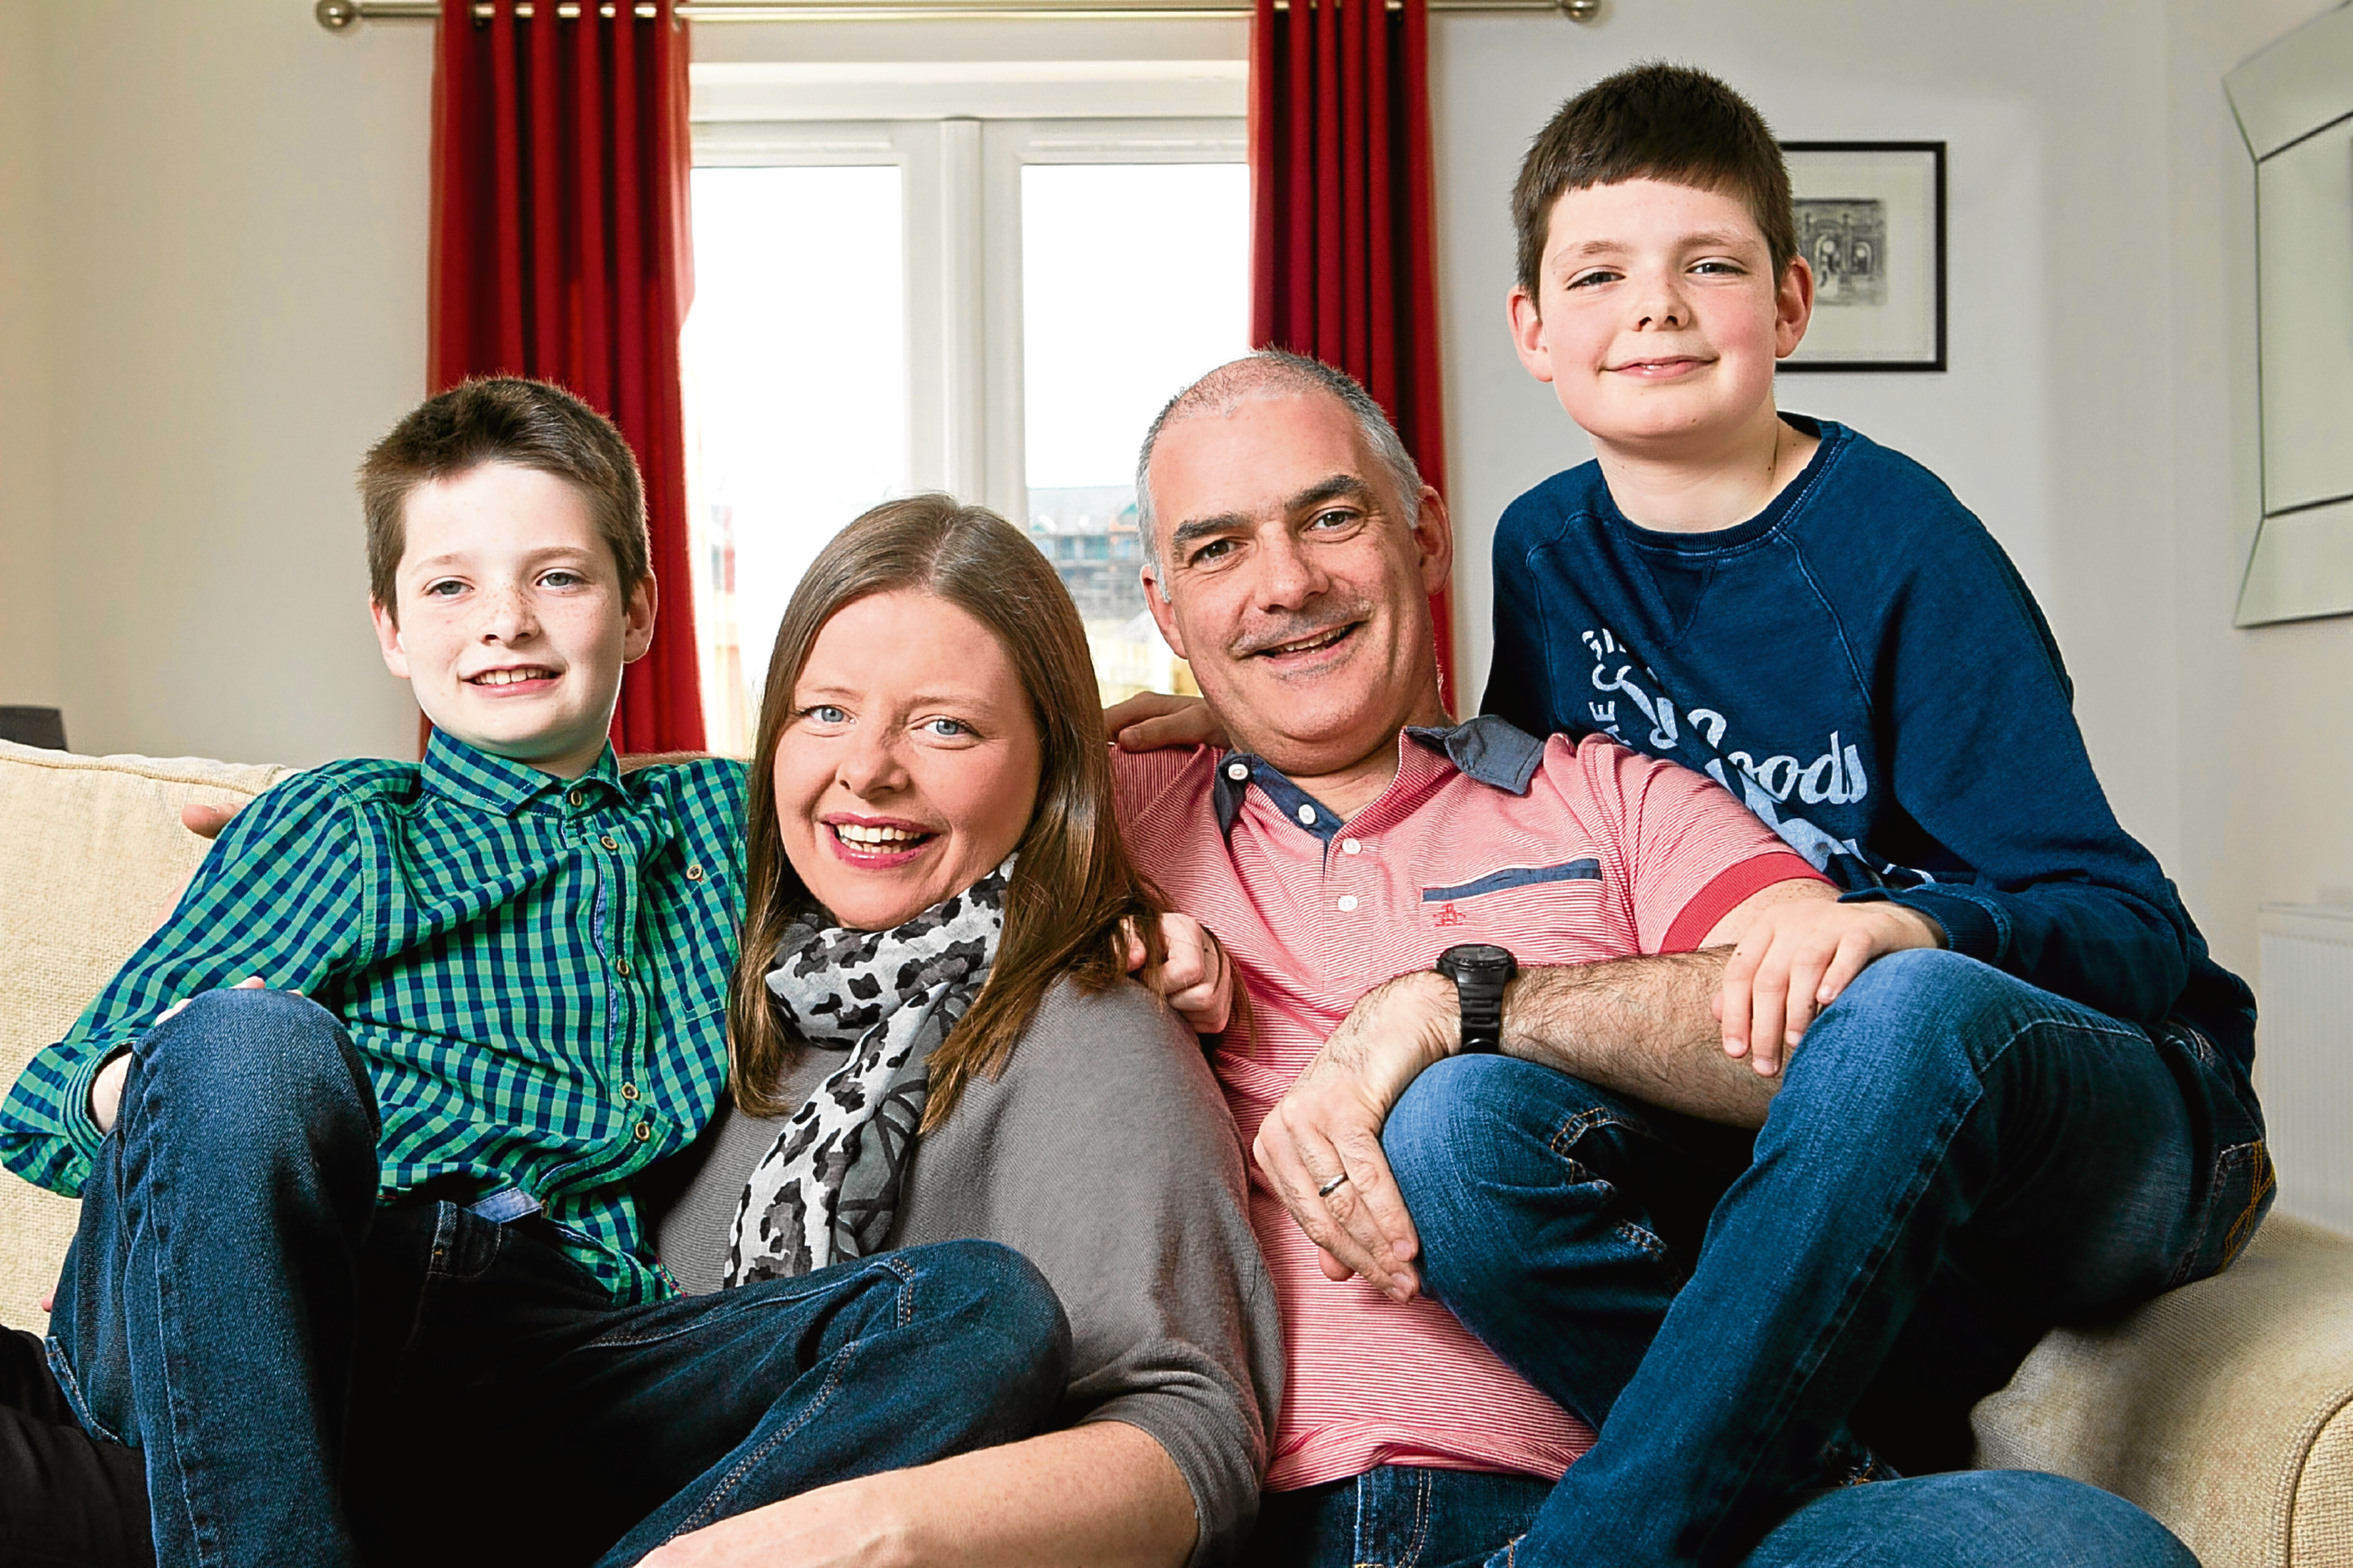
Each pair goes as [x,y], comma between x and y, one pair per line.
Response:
[1479,973]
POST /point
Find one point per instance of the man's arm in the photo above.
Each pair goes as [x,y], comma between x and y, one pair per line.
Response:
[1644,1027]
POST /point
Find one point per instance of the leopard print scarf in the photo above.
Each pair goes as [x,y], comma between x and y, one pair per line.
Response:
[828,1190]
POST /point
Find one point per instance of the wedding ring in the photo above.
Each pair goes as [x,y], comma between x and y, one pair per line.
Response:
[1333,1186]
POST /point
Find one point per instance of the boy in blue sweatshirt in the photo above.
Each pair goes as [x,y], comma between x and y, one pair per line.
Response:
[2014,1088]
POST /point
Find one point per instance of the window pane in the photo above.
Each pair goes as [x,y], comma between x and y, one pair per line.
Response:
[795,364]
[1135,280]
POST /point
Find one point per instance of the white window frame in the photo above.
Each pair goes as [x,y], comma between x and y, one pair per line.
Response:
[961,189]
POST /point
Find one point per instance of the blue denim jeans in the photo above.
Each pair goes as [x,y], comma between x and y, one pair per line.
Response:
[1956,1162]
[317,1380]
[1397,1517]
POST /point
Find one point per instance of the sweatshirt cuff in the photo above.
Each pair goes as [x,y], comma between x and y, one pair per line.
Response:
[1971,928]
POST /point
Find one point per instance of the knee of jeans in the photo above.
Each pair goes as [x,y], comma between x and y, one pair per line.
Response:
[1450,1127]
[1909,1009]
[261,1069]
[1992,1518]
[1023,1348]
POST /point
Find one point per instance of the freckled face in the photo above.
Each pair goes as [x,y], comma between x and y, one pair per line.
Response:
[1661,315]
[910,766]
[512,627]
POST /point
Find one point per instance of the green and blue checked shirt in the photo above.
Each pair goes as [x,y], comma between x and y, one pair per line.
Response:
[534,969]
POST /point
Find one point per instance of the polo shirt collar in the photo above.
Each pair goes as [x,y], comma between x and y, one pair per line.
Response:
[1487,749]
[1493,750]
[475,777]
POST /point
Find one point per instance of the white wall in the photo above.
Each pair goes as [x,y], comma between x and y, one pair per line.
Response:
[2267,756]
[213,298]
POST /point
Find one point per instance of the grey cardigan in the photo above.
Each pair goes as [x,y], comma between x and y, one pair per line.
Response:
[1104,1154]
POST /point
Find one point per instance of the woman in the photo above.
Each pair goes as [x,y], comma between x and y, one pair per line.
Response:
[933,1038]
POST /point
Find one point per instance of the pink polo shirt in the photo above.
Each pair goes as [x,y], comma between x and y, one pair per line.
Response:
[1564,854]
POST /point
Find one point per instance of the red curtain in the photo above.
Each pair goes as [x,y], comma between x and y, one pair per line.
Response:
[1342,254]
[561,251]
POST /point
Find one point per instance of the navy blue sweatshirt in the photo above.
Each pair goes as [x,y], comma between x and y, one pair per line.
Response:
[1862,666]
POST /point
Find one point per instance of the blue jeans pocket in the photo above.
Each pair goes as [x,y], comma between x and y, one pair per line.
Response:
[2239,1182]
[465,1246]
[70,1386]
[2245,1185]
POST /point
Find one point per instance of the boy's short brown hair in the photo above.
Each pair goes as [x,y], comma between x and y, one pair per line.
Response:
[503,418]
[1656,122]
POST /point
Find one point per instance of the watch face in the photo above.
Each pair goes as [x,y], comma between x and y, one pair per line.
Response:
[1477,961]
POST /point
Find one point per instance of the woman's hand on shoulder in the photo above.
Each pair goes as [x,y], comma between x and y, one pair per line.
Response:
[1194,979]
[1149,721]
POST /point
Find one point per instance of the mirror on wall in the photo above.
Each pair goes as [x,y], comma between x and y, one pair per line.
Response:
[2295,108]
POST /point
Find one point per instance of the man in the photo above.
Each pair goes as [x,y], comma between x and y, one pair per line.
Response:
[1352,835]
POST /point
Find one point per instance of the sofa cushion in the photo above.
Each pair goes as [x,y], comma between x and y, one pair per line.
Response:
[92,855]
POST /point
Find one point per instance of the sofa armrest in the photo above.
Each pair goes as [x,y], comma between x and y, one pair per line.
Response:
[2224,1408]
[92,854]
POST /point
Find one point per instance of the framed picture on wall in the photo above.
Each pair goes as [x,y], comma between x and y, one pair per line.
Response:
[1870,224]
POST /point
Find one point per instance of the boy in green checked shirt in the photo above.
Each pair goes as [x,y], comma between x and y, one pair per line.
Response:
[356,1246]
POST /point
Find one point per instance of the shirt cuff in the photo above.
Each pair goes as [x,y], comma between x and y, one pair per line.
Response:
[1729,890]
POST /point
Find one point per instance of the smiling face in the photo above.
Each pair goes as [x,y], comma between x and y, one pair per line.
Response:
[909,767]
[1296,586]
[1659,317]
[512,626]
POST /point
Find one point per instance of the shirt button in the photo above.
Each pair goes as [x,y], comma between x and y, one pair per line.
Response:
[1348,904]
[629,1091]
[645,1132]
[578,796]
[621,968]
[694,873]
[1352,846]
[609,841]
[1238,771]
[1307,815]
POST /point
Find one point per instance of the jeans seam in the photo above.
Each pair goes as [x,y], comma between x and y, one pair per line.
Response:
[1803,1367]
[204,1533]
[1580,1174]
[705,1512]
[906,1298]
[1420,1537]
[1573,1130]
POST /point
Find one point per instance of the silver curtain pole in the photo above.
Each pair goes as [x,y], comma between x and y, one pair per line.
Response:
[340,16]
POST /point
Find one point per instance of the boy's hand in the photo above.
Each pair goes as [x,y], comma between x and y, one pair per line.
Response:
[1149,721]
[106,1090]
[207,822]
[1194,979]
[1795,958]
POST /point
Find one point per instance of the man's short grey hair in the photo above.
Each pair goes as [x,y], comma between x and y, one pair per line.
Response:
[1270,372]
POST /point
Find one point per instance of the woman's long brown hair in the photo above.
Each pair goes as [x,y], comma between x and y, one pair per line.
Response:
[1074,889]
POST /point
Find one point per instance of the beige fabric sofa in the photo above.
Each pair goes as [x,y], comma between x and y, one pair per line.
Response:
[2223,1408]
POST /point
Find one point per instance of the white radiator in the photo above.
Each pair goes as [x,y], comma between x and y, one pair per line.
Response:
[2304,1057]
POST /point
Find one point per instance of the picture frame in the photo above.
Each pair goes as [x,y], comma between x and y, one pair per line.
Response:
[1870,224]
